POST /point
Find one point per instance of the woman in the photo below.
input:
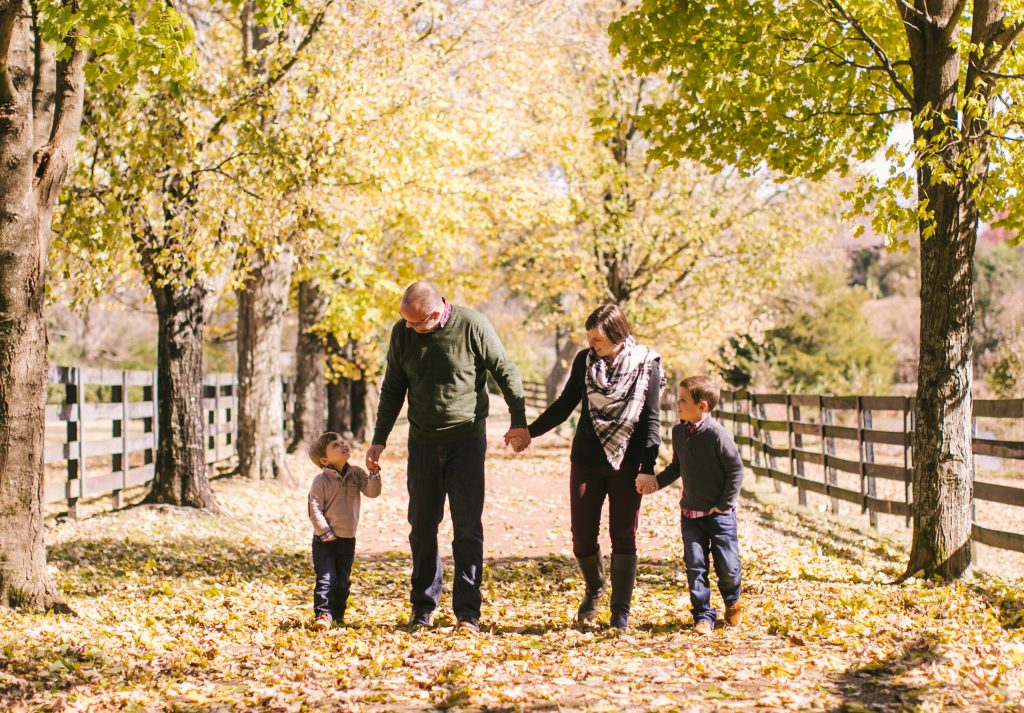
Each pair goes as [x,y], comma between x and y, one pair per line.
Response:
[619,432]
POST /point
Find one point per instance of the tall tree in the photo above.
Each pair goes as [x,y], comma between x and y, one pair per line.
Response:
[266,272]
[49,51]
[648,238]
[808,87]
[163,162]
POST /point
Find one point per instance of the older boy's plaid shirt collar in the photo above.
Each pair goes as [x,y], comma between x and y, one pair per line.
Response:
[695,427]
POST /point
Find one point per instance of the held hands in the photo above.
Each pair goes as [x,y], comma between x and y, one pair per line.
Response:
[373,458]
[518,438]
[646,483]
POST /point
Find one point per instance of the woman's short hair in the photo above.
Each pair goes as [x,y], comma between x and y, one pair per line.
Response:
[611,321]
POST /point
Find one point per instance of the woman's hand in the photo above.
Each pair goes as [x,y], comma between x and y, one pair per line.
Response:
[518,438]
[646,483]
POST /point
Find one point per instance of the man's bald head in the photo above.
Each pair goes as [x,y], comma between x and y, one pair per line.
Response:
[423,296]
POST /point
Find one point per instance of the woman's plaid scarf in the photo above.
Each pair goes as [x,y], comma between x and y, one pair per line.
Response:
[616,392]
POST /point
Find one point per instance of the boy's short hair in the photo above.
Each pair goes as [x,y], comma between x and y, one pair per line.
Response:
[318,448]
[611,321]
[702,388]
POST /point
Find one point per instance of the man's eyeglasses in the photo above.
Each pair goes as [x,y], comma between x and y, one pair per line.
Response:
[414,325]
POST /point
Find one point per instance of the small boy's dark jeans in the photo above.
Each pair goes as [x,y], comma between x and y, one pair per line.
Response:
[332,563]
[714,535]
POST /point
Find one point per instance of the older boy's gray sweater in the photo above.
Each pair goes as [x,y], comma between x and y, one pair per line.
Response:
[708,462]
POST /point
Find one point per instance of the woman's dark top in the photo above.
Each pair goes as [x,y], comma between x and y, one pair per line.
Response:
[586,447]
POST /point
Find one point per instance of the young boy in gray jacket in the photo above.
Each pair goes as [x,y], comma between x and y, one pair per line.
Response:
[705,456]
[334,499]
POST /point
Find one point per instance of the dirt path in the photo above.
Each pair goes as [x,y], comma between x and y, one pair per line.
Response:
[179,610]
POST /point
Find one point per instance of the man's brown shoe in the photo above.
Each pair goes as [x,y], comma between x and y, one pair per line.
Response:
[733,614]
[703,627]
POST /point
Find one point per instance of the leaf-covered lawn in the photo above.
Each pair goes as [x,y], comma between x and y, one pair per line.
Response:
[185,611]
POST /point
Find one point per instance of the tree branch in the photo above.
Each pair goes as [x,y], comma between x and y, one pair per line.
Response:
[271,79]
[53,160]
[883,58]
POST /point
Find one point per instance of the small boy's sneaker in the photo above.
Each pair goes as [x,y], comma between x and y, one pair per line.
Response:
[323,622]
[469,624]
[703,627]
[734,614]
[421,618]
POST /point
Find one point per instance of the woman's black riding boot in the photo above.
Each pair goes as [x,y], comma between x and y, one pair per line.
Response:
[623,577]
[592,568]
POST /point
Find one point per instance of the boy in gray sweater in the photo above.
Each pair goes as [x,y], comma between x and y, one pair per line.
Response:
[334,499]
[704,454]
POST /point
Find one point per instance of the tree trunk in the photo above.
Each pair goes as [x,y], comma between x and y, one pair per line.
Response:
[357,401]
[339,409]
[346,397]
[310,355]
[180,475]
[262,304]
[565,349]
[40,118]
[942,474]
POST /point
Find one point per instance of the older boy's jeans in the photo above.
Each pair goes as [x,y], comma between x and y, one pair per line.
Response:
[455,470]
[714,534]
[332,562]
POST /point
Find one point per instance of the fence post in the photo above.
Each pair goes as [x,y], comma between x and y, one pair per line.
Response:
[156,416]
[234,413]
[829,445]
[908,426]
[766,441]
[796,440]
[216,416]
[75,393]
[119,461]
[868,484]
[974,477]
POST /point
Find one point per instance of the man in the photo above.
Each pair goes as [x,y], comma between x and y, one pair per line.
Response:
[439,355]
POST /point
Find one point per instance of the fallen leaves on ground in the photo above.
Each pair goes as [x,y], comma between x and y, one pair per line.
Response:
[180,610]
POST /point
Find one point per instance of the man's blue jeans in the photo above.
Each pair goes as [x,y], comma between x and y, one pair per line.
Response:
[456,471]
[714,535]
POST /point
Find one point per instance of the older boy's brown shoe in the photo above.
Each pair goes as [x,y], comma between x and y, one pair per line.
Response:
[703,627]
[733,614]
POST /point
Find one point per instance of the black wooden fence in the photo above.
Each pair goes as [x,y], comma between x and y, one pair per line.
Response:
[101,438]
[855,449]
[860,449]
[101,429]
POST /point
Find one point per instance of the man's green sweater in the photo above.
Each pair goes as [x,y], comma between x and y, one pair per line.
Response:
[445,375]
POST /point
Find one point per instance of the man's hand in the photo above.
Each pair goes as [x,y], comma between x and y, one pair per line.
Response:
[646,484]
[518,438]
[716,511]
[373,458]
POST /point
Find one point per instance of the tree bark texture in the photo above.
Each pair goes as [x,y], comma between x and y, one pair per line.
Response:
[942,443]
[40,120]
[309,417]
[346,397]
[565,349]
[262,305]
[180,476]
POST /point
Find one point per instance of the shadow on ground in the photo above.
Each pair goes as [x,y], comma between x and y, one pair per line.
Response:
[876,686]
